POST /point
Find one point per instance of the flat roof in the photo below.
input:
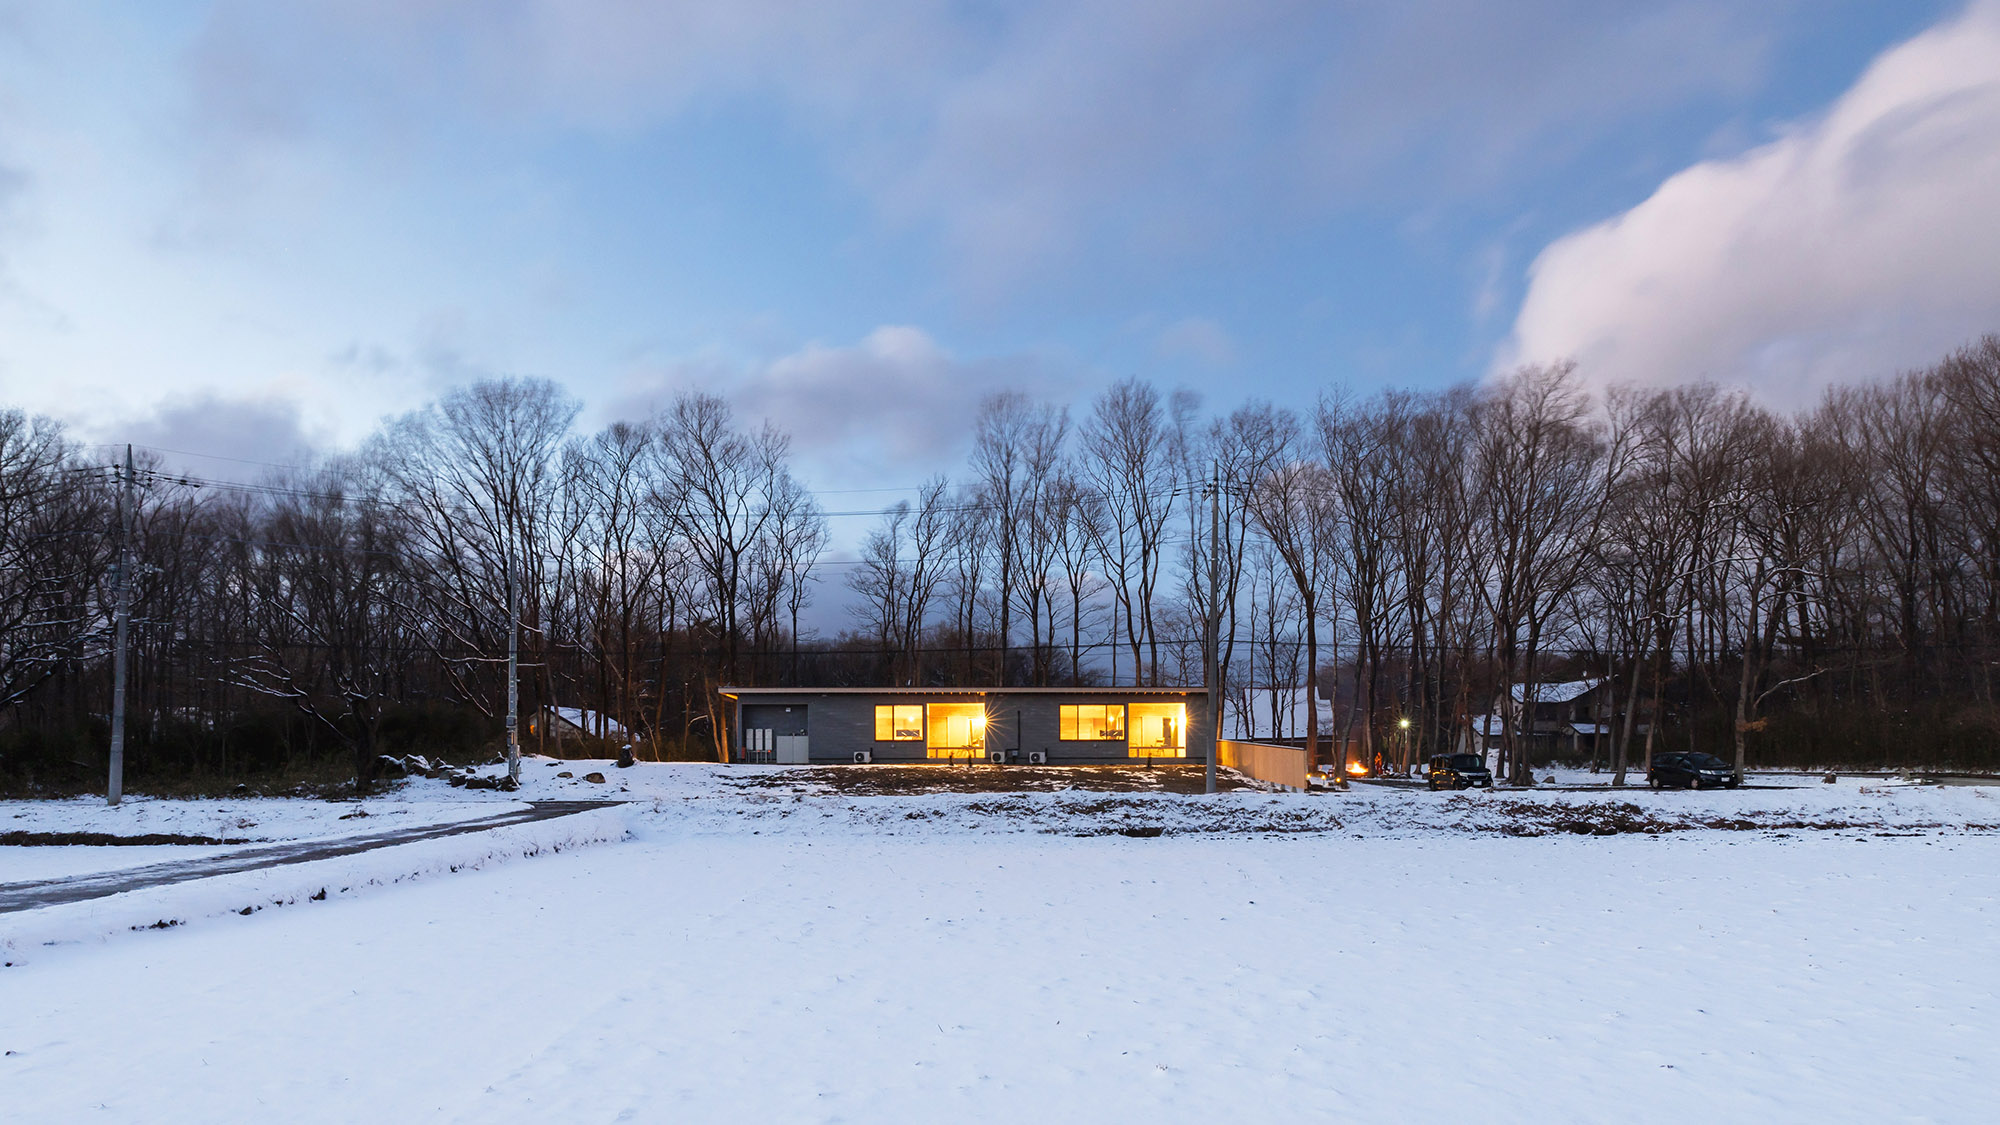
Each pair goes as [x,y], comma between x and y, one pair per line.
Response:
[735,691]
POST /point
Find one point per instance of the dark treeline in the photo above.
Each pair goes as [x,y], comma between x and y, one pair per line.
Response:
[1821,587]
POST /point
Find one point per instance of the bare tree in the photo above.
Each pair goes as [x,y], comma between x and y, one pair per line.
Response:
[1128,459]
[330,587]
[54,530]
[1545,474]
[970,535]
[717,485]
[798,538]
[478,471]
[1291,505]
[1356,444]
[1035,527]
[1078,516]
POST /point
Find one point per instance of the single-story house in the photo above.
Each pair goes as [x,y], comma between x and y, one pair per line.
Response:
[988,724]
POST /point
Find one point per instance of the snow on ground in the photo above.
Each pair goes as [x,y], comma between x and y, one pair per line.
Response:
[250,819]
[712,970]
[26,934]
[255,819]
[792,800]
[709,797]
[704,798]
[27,864]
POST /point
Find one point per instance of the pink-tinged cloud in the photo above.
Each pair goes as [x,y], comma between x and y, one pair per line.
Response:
[1858,244]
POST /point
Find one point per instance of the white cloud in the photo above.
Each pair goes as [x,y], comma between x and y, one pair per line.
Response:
[1197,338]
[1862,242]
[894,405]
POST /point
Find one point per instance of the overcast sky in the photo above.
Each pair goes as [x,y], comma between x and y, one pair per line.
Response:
[252,228]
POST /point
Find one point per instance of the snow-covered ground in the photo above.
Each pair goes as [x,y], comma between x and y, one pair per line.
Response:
[255,819]
[703,798]
[26,934]
[859,976]
[700,799]
[780,943]
[22,865]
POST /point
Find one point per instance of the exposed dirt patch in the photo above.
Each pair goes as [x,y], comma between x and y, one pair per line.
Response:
[1077,812]
[902,781]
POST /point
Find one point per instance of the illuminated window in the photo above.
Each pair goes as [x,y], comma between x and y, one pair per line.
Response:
[1093,722]
[900,723]
[1159,730]
[957,730]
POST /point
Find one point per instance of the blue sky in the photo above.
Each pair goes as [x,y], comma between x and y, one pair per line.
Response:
[252,228]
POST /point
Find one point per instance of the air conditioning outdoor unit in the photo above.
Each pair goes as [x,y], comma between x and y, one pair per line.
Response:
[997,757]
[864,756]
[1038,757]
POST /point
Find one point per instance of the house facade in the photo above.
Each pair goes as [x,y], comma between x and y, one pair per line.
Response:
[1573,719]
[1057,726]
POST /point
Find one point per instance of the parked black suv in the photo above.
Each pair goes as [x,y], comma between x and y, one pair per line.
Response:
[1460,771]
[1691,771]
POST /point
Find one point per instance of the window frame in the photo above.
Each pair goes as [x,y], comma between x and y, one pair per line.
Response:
[975,744]
[893,725]
[1137,749]
[1070,722]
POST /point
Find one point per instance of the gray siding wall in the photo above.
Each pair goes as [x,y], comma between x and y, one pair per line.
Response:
[840,724]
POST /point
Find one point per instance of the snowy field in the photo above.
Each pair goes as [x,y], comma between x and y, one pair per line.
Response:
[765,947]
[254,819]
[21,865]
[992,978]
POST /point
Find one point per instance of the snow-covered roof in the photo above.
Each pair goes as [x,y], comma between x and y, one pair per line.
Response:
[586,721]
[1555,693]
[1589,728]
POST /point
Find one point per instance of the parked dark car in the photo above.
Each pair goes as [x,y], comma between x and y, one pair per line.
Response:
[1691,771]
[1460,771]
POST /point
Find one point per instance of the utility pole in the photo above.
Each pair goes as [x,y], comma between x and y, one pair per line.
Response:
[513,673]
[121,616]
[1214,673]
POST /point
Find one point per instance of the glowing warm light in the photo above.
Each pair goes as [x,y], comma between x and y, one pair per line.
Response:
[955,730]
[900,722]
[1159,730]
[1092,722]
[1404,723]
[1357,769]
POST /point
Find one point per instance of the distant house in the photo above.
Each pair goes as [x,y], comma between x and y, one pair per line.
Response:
[1024,725]
[1563,720]
[575,722]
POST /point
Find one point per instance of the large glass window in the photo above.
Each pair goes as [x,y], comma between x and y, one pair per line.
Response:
[956,730]
[903,722]
[1159,730]
[1093,722]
